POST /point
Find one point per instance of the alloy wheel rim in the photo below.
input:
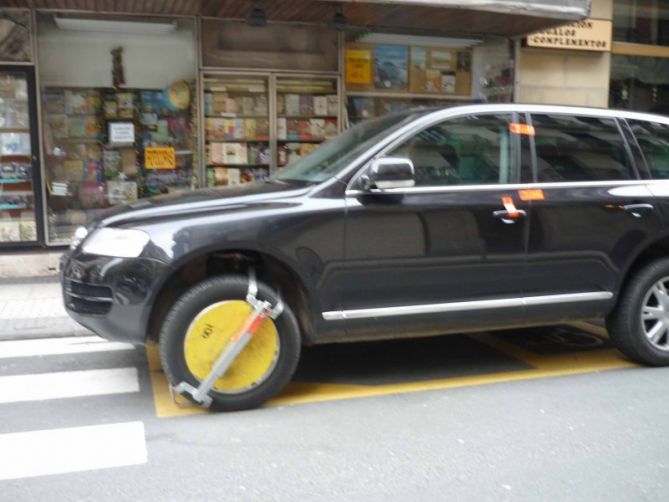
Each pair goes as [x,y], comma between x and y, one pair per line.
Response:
[655,315]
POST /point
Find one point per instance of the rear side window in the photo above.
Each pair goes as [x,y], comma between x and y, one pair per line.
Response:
[653,138]
[573,148]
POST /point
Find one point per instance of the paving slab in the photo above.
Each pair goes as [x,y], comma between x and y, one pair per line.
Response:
[33,308]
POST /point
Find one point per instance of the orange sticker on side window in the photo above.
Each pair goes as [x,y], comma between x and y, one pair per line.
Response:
[531,194]
[524,129]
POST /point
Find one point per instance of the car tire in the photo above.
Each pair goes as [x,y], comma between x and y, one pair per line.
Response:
[177,330]
[640,309]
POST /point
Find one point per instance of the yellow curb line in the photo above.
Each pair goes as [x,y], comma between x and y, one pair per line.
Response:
[302,393]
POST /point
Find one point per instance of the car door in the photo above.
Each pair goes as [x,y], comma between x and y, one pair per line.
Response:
[594,215]
[448,253]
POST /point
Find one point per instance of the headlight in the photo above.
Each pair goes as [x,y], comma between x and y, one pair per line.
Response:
[79,235]
[117,242]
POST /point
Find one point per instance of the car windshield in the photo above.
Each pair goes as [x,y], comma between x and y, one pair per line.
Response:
[335,154]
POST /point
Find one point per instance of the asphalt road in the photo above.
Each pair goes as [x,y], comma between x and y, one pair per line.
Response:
[558,417]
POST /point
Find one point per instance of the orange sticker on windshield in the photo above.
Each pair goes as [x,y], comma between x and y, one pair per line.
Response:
[531,194]
[524,129]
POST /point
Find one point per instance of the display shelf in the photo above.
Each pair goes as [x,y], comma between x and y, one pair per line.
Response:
[19,157]
[229,115]
[14,181]
[22,193]
[10,207]
[14,129]
[300,140]
[307,115]
[406,95]
[77,140]
[238,165]
[284,116]
[218,140]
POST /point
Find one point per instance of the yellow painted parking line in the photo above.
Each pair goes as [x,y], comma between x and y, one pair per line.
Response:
[543,366]
[162,400]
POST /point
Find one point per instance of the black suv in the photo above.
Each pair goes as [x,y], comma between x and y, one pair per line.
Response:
[421,223]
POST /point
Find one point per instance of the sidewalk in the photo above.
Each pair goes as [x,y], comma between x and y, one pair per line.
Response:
[33,308]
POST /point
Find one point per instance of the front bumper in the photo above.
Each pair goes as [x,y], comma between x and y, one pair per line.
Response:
[111,296]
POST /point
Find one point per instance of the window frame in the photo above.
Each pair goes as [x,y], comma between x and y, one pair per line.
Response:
[635,171]
[355,185]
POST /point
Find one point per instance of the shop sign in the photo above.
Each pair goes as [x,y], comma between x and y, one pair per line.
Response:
[121,133]
[358,66]
[586,35]
[160,157]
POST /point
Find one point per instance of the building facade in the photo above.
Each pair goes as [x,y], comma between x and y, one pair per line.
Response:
[123,101]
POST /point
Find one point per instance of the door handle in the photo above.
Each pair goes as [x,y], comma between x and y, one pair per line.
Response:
[638,210]
[509,217]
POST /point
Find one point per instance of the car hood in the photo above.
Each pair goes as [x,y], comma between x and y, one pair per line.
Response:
[199,201]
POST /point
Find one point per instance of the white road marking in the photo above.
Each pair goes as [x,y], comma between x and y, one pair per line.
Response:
[62,384]
[35,308]
[58,346]
[75,449]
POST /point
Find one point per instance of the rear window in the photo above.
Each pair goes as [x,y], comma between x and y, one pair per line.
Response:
[573,148]
[653,138]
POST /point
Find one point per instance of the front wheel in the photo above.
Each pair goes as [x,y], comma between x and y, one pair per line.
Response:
[639,326]
[201,323]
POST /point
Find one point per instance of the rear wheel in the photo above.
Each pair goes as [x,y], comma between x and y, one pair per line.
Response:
[639,327]
[201,323]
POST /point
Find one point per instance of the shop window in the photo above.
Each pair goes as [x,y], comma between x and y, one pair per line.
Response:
[639,83]
[653,139]
[474,150]
[641,21]
[243,143]
[115,128]
[579,149]
[277,46]
[387,73]
[18,188]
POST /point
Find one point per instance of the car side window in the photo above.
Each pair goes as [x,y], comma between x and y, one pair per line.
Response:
[653,138]
[470,150]
[578,148]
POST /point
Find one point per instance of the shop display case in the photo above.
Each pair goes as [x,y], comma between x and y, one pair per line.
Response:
[394,75]
[236,128]
[307,115]
[105,147]
[257,123]
[18,199]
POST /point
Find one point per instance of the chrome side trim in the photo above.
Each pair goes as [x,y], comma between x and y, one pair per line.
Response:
[435,308]
[502,187]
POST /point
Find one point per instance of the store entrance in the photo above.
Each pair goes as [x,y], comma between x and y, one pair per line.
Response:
[20,201]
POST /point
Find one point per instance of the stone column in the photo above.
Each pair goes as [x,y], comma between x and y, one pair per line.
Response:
[565,77]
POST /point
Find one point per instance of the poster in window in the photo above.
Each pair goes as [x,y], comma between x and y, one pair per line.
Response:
[390,66]
[432,71]
[359,66]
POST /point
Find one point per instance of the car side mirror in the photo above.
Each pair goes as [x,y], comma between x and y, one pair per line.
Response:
[390,172]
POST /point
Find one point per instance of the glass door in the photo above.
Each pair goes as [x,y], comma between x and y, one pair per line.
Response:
[237,128]
[307,115]
[20,204]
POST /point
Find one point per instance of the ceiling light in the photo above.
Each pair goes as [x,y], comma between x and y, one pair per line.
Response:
[114,25]
[338,21]
[256,17]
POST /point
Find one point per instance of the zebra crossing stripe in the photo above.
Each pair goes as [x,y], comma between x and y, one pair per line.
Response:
[65,384]
[59,346]
[75,449]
